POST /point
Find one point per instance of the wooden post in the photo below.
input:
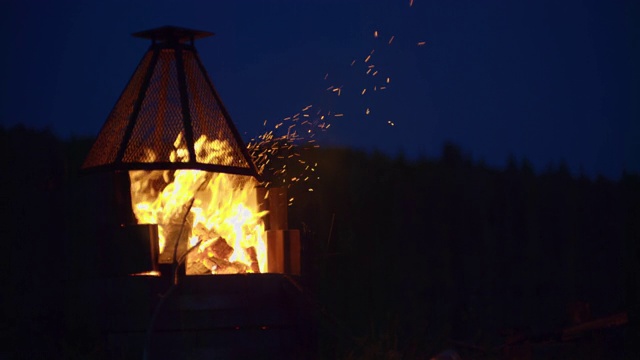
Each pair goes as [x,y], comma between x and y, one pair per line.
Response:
[283,244]
[283,251]
[275,201]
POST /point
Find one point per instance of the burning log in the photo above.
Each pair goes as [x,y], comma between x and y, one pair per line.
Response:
[190,173]
[219,249]
[225,267]
[214,257]
[253,255]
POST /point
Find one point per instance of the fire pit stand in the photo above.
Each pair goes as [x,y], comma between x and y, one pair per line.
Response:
[170,118]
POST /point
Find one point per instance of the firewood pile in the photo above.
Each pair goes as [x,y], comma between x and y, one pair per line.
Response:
[213,254]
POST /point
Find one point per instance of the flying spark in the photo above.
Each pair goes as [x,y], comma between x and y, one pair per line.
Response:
[273,148]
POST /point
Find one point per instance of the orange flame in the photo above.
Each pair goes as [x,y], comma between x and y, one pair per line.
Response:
[220,212]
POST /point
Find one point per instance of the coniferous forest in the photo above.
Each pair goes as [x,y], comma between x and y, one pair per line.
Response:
[402,258]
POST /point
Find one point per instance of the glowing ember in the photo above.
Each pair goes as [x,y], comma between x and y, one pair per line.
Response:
[271,149]
[216,212]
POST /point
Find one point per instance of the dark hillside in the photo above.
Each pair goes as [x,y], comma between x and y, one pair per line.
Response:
[405,256]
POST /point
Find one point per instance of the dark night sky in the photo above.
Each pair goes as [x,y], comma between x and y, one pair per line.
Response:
[545,80]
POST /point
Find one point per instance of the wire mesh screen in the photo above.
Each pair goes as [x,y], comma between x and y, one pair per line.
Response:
[105,149]
[170,116]
[159,123]
[210,128]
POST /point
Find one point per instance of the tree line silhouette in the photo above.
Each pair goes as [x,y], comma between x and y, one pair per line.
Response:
[406,255]
[440,249]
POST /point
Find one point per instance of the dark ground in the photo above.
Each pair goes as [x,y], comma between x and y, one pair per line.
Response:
[402,258]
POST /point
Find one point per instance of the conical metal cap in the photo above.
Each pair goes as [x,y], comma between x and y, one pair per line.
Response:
[170,116]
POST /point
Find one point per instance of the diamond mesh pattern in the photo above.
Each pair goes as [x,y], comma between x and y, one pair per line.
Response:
[105,149]
[159,123]
[209,120]
[157,139]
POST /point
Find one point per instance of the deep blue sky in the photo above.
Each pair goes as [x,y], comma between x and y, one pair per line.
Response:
[545,80]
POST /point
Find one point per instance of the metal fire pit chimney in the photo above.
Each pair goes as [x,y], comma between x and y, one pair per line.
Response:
[170,117]
[169,95]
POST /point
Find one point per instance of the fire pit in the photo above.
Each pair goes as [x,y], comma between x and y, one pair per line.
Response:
[183,172]
[190,203]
